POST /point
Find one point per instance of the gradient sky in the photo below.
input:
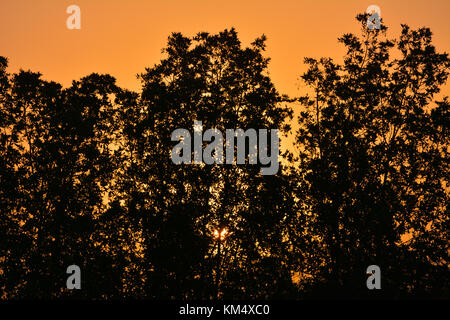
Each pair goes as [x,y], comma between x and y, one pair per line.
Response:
[123,37]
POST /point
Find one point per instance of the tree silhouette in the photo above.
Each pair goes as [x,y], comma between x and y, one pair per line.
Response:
[212,79]
[374,165]
[56,165]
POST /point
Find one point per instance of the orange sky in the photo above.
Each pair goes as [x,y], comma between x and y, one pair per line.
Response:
[123,37]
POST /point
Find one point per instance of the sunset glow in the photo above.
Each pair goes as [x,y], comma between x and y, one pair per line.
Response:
[223,234]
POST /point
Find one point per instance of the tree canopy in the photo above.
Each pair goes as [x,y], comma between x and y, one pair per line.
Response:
[86,177]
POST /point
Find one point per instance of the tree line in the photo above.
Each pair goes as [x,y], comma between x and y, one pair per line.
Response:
[86,177]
